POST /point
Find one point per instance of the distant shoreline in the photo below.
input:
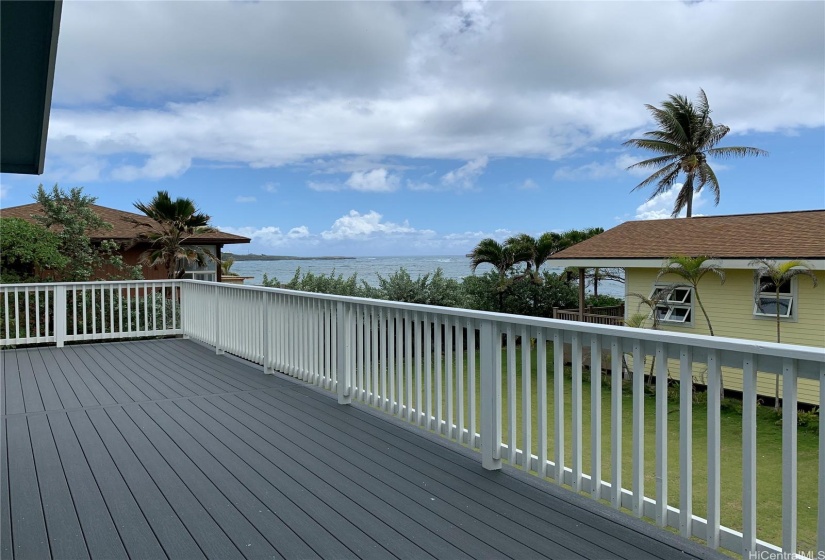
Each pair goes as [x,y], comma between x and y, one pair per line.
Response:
[254,257]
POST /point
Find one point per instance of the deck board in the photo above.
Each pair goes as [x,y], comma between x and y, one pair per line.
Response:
[162,448]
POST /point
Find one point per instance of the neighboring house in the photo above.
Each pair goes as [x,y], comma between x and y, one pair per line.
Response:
[641,247]
[125,232]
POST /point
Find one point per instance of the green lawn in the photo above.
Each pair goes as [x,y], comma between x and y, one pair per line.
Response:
[769,449]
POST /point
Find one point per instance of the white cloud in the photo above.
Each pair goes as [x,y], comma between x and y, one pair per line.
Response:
[660,207]
[324,186]
[245,199]
[596,170]
[270,186]
[357,226]
[377,180]
[465,176]
[299,232]
[368,81]
[529,185]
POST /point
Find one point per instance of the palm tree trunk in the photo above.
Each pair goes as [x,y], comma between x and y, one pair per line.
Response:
[778,322]
[689,207]
[710,328]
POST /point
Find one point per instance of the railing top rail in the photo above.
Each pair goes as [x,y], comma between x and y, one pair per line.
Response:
[779,350]
[89,283]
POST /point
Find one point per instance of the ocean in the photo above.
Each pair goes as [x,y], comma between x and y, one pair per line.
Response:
[368,268]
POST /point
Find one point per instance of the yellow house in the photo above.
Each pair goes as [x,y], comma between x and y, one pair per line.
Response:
[641,247]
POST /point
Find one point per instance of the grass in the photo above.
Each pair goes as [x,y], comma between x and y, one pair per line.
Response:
[769,448]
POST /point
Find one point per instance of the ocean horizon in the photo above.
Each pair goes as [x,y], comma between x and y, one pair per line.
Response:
[368,268]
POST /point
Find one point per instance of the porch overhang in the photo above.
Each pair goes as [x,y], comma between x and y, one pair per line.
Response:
[726,264]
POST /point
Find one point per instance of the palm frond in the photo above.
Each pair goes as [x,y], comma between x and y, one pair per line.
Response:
[735,151]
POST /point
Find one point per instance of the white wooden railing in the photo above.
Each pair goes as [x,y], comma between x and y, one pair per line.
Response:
[464,375]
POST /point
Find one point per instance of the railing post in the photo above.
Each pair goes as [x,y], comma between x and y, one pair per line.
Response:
[218,320]
[59,315]
[490,407]
[341,361]
[179,299]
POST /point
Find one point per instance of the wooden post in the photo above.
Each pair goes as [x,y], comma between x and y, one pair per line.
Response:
[581,294]
[555,313]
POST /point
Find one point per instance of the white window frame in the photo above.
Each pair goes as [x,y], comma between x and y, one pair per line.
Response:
[207,275]
[790,297]
[673,303]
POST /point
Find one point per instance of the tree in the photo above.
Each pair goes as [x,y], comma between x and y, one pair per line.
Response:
[686,138]
[534,252]
[71,218]
[503,257]
[175,221]
[772,276]
[692,270]
[28,252]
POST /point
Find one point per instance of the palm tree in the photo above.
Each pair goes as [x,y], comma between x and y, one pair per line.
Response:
[638,319]
[175,221]
[771,276]
[693,269]
[686,138]
[534,252]
[502,256]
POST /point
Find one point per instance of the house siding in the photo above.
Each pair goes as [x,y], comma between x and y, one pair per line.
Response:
[730,308]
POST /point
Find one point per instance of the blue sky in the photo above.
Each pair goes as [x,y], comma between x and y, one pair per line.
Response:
[409,128]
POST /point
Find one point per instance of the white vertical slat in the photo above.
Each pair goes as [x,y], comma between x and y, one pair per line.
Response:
[820,526]
[541,400]
[26,306]
[46,316]
[408,364]
[120,300]
[714,448]
[558,399]
[459,378]
[399,363]
[163,303]
[595,416]
[145,309]
[526,400]
[511,394]
[7,316]
[448,371]
[471,378]
[391,358]
[686,441]
[577,424]
[789,456]
[428,372]
[497,412]
[376,393]
[359,351]
[341,358]
[85,323]
[112,309]
[16,314]
[386,358]
[419,346]
[490,400]
[37,313]
[661,435]
[128,308]
[638,480]
[749,456]
[59,315]
[439,403]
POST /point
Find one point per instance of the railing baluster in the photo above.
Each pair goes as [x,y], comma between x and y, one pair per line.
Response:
[789,456]
[37,314]
[145,310]
[511,394]
[541,389]
[749,456]
[428,372]
[526,400]
[714,442]
[459,378]
[490,396]
[374,324]
[128,307]
[408,363]
[638,481]
[686,441]
[596,417]
[558,400]
[820,532]
[438,381]
[385,359]
[419,346]
[471,378]
[26,307]
[391,358]
[7,316]
[661,435]
[497,412]
[448,367]
[399,363]
[359,351]
[46,316]
[577,424]
[111,309]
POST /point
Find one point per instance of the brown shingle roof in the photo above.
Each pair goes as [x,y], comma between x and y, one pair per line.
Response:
[123,225]
[780,235]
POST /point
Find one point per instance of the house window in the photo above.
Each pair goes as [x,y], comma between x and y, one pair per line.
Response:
[676,305]
[765,304]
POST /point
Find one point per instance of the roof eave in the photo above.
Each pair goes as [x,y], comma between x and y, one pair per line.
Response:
[727,263]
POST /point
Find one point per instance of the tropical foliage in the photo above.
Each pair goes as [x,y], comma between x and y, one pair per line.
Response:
[771,276]
[686,138]
[28,252]
[70,216]
[175,221]
[692,270]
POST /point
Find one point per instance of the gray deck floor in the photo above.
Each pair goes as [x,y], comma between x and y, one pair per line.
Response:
[160,448]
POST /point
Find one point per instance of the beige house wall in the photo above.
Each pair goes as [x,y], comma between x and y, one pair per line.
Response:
[730,308]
